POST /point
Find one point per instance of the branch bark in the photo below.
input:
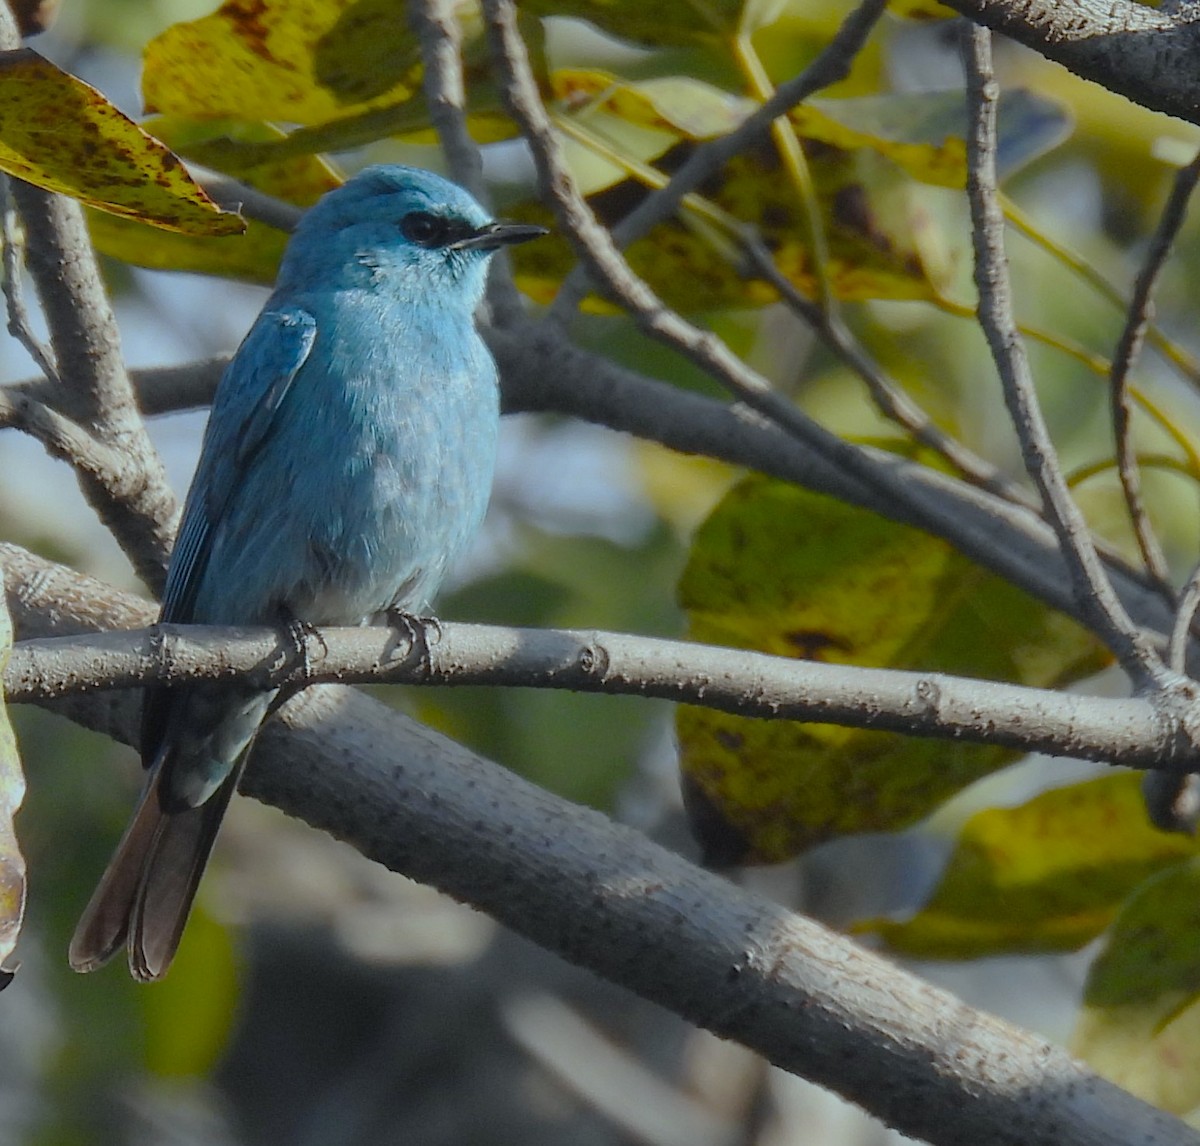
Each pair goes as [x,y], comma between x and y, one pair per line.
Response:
[1139,732]
[1148,55]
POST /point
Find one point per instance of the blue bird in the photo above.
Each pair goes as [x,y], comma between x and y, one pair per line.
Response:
[346,465]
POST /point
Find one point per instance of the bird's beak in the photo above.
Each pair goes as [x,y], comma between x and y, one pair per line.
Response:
[494,235]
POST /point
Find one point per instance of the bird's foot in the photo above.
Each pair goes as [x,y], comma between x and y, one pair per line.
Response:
[298,633]
[417,630]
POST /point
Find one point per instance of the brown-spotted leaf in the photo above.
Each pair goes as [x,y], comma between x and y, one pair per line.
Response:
[292,61]
[1049,875]
[1140,1024]
[793,573]
[62,134]
[253,256]
[347,71]
[12,792]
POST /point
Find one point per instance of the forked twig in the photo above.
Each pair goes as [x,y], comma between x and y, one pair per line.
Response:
[1092,588]
[1129,346]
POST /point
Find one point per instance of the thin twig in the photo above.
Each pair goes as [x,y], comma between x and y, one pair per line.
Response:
[831,65]
[1189,603]
[1129,346]
[889,397]
[440,35]
[19,325]
[1098,601]
[62,438]
[247,201]
[1131,731]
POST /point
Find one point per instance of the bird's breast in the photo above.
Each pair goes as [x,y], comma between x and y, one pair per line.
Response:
[377,477]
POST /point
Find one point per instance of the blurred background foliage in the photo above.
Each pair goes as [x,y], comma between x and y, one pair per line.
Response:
[316,999]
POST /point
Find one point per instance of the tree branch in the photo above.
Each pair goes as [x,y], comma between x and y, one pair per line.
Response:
[1133,732]
[1096,597]
[1148,55]
[1129,345]
[134,500]
[605,897]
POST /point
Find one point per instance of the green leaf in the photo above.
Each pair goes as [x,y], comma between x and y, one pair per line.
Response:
[920,10]
[1049,875]
[1140,1025]
[792,573]
[63,135]
[253,256]
[662,23]
[924,132]
[12,793]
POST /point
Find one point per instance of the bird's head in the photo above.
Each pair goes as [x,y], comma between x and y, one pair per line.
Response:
[401,226]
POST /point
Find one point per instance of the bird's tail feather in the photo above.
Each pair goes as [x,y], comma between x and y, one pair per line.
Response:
[146,892]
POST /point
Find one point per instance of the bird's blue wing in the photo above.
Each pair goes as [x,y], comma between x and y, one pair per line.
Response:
[250,395]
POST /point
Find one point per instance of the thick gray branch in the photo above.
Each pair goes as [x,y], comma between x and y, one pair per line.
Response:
[1148,55]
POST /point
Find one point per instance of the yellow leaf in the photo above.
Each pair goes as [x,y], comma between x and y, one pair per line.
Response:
[1049,875]
[12,793]
[680,105]
[1140,1025]
[788,572]
[295,61]
[61,134]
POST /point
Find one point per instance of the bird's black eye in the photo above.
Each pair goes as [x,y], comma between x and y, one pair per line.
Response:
[424,230]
